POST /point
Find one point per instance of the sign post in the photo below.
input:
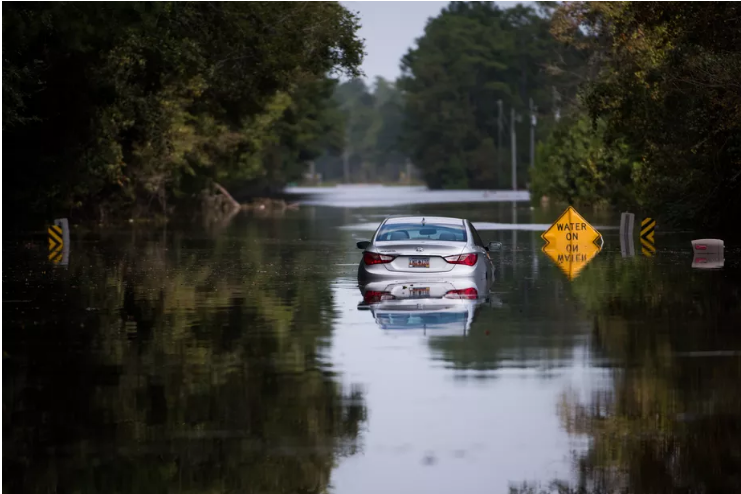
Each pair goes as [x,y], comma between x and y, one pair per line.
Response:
[647,237]
[626,234]
[571,242]
[59,242]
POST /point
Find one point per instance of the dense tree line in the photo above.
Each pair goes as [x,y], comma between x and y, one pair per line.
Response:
[372,117]
[471,59]
[135,105]
[637,103]
[140,106]
[663,97]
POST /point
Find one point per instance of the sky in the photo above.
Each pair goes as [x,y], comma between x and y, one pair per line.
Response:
[390,29]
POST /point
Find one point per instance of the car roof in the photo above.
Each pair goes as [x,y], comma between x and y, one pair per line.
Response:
[438,220]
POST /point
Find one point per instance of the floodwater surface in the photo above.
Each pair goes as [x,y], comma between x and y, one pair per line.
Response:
[243,357]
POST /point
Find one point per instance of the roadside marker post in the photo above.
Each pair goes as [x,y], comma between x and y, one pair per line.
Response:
[56,244]
[627,221]
[58,235]
[571,242]
[647,237]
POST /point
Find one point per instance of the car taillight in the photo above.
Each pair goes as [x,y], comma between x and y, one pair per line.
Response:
[468,294]
[467,259]
[373,297]
[370,258]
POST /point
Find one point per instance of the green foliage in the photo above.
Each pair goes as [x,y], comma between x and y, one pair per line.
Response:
[575,166]
[651,87]
[372,121]
[472,56]
[666,84]
[121,105]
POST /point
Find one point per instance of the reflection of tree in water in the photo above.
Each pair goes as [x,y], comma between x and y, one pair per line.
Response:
[181,365]
[670,421]
[533,329]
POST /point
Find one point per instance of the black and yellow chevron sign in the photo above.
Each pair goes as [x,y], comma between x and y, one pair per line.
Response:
[56,244]
[647,237]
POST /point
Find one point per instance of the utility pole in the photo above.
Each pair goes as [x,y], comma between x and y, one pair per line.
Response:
[346,157]
[499,141]
[312,172]
[532,134]
[346,166]
[556,103]
[513,148]
[514,239]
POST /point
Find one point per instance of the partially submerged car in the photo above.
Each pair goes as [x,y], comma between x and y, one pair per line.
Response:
[417,247]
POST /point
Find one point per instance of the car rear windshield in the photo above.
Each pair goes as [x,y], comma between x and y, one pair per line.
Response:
[418,231]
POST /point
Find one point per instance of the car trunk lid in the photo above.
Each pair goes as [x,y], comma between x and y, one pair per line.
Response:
[420,257]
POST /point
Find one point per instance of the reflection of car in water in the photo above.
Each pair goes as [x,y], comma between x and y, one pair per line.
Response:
[440,307]
[445,320]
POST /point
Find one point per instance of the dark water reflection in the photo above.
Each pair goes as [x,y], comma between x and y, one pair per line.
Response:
[237,360]
[174,363]
[671,419]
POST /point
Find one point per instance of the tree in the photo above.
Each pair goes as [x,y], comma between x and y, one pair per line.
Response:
[576,166]
[665,82]
[371,132]
[389,156]
[135,101]
[471,56]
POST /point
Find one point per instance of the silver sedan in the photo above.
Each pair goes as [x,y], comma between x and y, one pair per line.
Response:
[417,247]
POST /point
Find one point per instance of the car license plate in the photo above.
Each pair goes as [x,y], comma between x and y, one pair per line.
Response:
[419,262]
[421,292]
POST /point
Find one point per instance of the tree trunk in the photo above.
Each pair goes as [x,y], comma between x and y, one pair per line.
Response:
[228,196]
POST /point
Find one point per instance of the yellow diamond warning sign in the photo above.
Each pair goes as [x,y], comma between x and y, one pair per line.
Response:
[571,229]
[571,242]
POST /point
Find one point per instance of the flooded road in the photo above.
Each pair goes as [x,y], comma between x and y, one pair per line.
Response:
[242,359]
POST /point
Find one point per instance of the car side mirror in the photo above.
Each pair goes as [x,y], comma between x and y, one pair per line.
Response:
[363,244]
[494,246]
